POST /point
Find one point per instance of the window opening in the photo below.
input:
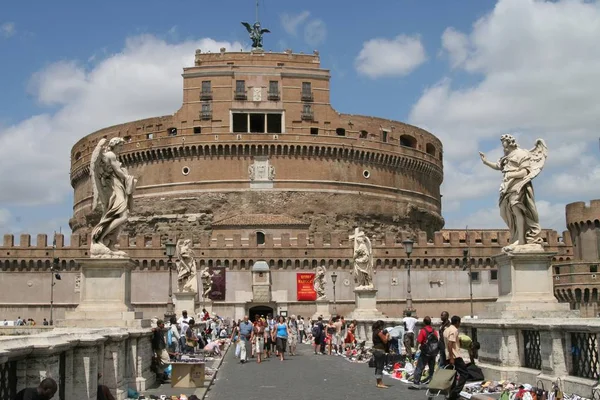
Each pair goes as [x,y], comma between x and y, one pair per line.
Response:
[260,238]
[314,131]
[340,132]
[197,130]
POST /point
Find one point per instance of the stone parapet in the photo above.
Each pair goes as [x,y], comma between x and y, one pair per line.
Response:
[73,357]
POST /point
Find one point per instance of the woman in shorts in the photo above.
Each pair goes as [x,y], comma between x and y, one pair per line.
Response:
[258,339]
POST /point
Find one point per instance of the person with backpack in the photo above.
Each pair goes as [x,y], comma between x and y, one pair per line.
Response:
[428,341]
[318,335]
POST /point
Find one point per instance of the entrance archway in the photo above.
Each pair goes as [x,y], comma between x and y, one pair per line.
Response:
[259,310]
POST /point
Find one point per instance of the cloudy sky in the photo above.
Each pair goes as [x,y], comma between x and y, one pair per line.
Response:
[467,70]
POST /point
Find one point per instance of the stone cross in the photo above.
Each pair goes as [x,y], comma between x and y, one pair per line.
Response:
[356,234]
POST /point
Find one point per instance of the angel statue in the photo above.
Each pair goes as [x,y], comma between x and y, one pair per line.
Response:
[319,282]
[517,203]
[187,279]
[207,281]
[113,187]
[363,261]
[256,34]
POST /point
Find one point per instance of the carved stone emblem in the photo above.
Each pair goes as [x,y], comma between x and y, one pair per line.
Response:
[261,170]
[256,94]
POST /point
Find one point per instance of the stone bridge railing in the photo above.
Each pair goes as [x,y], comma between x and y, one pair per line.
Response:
[73,357]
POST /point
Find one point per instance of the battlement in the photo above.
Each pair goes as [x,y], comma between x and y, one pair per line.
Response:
[334,239]
[579,213]
[265,58]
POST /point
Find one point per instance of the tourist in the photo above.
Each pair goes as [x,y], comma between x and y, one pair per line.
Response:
[173,337]
[258,339]
[301,332]
[103,392]
[19,321]
[268,339]
[445,317]
[45,322]
[205,315]
[5,323]
[428,341]
[409,333]
[380,344]
[318,334]
[337,336]
[159,345]
[455,358]
[293,334]
[282,335]
[213,349]
[271,339]
[350,339]
[245,333]
[330,334]
[183,326]
[191,339]
[45,391]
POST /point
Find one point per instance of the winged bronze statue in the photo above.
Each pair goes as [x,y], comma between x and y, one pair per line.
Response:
[256,34]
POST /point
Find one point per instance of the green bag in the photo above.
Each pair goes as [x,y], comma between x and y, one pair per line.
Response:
[464,341]
[442,379]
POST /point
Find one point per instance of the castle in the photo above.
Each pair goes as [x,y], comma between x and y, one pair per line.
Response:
[257,166]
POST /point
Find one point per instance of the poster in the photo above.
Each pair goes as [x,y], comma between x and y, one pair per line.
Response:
[304,283]
[218,285]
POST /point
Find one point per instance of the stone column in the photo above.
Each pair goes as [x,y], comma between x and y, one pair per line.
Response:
[144,360]
[85,368]
[114,365]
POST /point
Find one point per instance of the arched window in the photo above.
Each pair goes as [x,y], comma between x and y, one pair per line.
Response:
[340,132]
[408,141]
[430,149]
[363,134]
[260,238]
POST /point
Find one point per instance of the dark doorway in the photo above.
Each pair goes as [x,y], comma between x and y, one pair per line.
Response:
[260,311]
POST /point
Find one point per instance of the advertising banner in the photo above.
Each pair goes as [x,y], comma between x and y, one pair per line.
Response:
[304,283]
[219,283]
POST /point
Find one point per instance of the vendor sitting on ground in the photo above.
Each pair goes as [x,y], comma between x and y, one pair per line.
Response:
[213,348]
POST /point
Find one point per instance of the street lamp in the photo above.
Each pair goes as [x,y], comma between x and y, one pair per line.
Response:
[55,275]
[333,280]
[467,264]
[408,248]
[170,252]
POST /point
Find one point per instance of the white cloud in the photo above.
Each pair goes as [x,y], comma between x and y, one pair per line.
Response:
[291,22]
[142,80]
[315,32]
[535,64]
[396,57]
[7,29]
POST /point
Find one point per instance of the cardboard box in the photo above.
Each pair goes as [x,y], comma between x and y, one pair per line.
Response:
[188,375]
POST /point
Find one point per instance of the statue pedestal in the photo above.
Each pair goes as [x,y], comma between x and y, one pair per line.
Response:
[185,301]
[365,301]
[105,297]
[525,288]
[322,309]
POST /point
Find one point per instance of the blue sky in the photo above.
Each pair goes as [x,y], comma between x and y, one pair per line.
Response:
[467,71]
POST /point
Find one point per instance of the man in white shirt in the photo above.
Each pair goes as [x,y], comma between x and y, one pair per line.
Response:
[183,322]
[409,332]
[301,332]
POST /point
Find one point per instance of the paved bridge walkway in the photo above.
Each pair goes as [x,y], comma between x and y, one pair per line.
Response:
[304,376]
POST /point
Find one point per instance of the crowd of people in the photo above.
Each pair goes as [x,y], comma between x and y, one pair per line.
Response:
[186,336]
[23,322]
[441,348]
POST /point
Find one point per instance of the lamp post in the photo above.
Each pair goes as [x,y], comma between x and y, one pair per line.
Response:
[333,280]
[408,248]
[170,252]
[54,274]
[467,264]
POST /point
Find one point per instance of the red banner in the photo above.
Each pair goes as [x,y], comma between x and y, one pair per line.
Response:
[304,283]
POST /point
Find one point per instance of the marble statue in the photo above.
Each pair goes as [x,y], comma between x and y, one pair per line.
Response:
[207,281]
[319,282]
[187,278]
[363,261]
[256,34]
[113,188]
[517,203]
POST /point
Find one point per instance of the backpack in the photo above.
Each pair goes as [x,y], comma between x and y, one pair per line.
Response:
[316,330]
[432,343]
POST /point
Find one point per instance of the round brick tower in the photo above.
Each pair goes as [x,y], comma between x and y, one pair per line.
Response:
[256,134]
[583,223]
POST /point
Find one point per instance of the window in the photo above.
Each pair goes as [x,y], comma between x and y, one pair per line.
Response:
[206,87]
[257,123]
[556,270]
[494,275]
[408,141]
[206,111]
[273,123]
[127,139]
[240,122]
[314,131]
[340,132]
[307,91]
[384,136]
[475,276]
[240,90]
[197,130]
[77,155]
[260,238]
[307,113]
[430,149]
[363,134]
[593,269]
[478,241]
[273,90]
[149,135]
[172,131]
